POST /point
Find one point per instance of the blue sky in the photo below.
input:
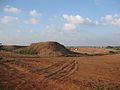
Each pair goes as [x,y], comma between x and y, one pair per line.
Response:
[70,22]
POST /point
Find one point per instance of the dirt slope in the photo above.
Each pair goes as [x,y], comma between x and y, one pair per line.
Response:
[11,47]
[49,49]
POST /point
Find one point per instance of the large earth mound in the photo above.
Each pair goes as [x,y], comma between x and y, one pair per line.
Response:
[49,49]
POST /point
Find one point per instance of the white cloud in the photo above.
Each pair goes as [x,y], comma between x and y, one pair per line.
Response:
[112,19]
[107,17]
[88,21]
[116,15]
[97,23]
[7,19]
[31,21]
[77,19]
[12,9]
[69,27]
[35,13]
[74,19]
[115,22]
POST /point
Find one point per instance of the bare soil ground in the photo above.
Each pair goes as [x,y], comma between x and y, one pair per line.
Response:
[93,50]
[60,73]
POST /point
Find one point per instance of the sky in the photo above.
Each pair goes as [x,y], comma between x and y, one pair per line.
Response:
[69,22]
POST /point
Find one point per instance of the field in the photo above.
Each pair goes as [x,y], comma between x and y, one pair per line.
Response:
[30,72]
[94,50]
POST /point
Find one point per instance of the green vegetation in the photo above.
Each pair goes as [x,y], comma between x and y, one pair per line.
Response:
[113,47]
[25,51]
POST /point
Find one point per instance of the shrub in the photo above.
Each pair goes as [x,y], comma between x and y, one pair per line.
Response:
[112,52]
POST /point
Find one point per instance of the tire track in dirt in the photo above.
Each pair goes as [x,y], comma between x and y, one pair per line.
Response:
[66,70]
[49,69]
[9,75]
[58,70]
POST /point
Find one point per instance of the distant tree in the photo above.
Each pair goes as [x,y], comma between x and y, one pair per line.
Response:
[0,45]
[109,47]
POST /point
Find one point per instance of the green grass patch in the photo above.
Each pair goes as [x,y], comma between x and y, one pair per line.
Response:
[113,47]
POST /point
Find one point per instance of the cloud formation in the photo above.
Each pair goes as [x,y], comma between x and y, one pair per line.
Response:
[31,21]
[73,21]
[35,13]
[7,19]
[11,9]
[69,27]
[112,19]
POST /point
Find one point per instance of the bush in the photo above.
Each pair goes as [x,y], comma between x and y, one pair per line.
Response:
[112,52]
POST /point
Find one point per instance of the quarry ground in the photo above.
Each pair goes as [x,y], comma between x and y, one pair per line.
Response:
[60,73]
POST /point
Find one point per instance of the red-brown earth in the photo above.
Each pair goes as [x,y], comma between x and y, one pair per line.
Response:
[60,73]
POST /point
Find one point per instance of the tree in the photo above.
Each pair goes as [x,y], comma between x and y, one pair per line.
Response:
[109,47]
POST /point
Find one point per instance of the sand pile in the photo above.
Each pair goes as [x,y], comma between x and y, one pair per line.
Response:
[49,49]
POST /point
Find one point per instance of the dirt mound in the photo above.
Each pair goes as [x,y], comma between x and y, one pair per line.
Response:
[49,49]
[11,47]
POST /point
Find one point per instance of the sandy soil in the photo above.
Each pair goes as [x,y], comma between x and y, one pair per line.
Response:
[93,50]
[62,73]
